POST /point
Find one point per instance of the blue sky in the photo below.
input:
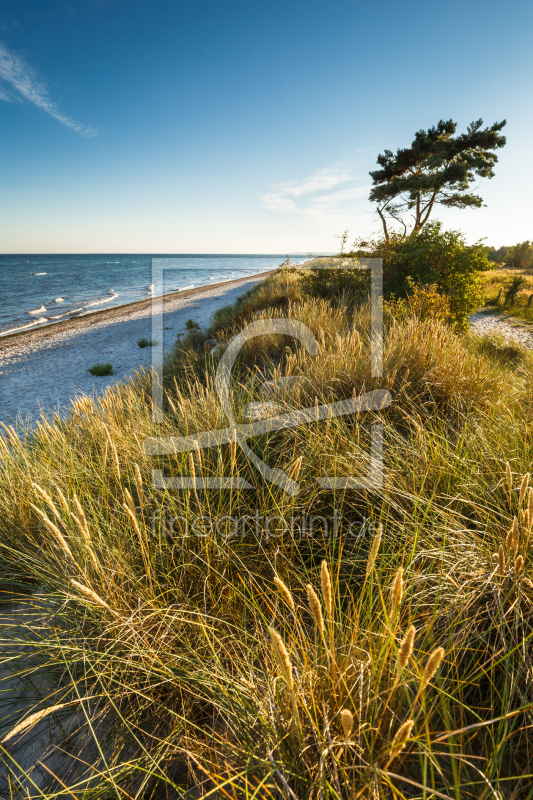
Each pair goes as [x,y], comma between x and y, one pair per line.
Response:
[245,126]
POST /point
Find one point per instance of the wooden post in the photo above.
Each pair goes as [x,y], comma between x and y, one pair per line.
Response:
[499,295]
[530,298]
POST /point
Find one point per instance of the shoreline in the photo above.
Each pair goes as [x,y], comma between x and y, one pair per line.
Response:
[43,370]
[92,317]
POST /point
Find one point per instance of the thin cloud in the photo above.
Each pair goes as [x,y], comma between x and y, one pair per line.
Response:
[20,79]
[312,196]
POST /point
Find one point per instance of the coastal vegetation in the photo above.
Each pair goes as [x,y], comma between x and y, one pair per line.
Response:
[144,342]
[336,643]
[101,369]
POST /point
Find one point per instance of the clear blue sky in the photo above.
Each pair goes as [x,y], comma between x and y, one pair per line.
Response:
[245,125]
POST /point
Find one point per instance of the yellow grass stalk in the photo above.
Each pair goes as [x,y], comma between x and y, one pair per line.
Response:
[129,501]
[396,593]
[327,593]
[81,521]
[501,560]
[376,541]
[47,499]
[191,466]
[346,722]
[139,485]
[295,469]
[283,657]
[516,534]
[198,453]
[509,475]
[90,594]
[285,592]
[434,662]
[518,565]
[33,719]
[13,438]
[62,497]
[404,654]
[233,450]
[523,488]
[316,610]
[530,507]
[114,455]
[55,531]
[400,739]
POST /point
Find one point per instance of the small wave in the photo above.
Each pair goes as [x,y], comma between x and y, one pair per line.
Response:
[36,273]
[59,300]
[183,288]
[25,327]
[40,310]
[103,300]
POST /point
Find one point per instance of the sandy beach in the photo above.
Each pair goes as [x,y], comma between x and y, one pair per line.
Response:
[42,370]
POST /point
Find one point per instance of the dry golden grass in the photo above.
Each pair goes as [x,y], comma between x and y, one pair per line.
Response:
[379,662]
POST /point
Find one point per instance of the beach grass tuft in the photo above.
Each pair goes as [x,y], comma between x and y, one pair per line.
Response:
[101,369]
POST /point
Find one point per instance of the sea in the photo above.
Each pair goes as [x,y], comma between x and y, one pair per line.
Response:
[39,290]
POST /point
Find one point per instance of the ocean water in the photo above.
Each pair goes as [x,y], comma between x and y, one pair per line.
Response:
[38,290]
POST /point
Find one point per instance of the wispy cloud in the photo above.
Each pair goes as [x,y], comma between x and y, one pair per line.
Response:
[312,196]
[21,82]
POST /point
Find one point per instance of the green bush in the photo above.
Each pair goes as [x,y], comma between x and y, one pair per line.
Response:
[101,369]
[147,342]
[335,281]
[191,325]
[424,303]
[434,257]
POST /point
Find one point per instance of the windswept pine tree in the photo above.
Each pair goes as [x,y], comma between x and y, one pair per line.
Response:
[438,169]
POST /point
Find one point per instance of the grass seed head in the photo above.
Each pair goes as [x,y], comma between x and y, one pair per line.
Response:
[191,466]
[376,541]
[346,722]
[434,662]
[327,593]
[139,485]
[400,739]
[523,488]
[501,560]
[90,594]
[518,565]
[285,592]
[55,531]
[406,647]
[295,469]
[396,593]
[316,610]
[283,657]
[33,719]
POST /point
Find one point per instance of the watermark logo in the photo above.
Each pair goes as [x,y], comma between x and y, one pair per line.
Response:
[375,400]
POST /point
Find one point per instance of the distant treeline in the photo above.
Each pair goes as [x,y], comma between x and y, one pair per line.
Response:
[520,256]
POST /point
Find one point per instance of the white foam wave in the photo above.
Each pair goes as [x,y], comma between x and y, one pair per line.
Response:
[182,288]
[25,327]
[40,310]
[59,300]
[36,273]
[102,300]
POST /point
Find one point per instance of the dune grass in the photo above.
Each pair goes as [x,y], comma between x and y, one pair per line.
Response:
[206,641]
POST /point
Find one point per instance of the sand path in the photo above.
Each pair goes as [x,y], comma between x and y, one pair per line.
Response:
[47,368]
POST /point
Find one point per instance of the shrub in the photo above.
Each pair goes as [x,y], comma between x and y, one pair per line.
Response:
[435,257]
[424,303]
[191,325]
[336,281]
[101,369]
[147,342]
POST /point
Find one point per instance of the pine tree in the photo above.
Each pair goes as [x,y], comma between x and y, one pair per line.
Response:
[437,169]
